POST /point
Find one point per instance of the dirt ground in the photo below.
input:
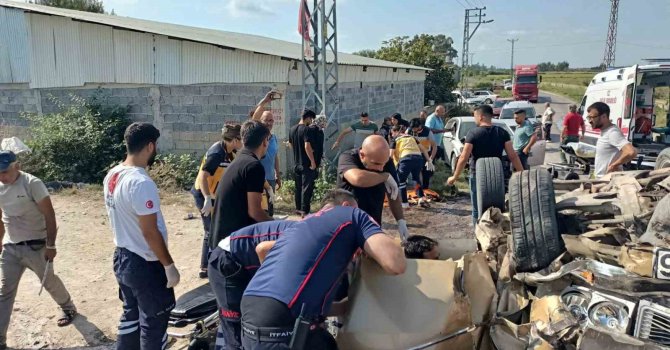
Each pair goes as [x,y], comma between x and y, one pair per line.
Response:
[84,264]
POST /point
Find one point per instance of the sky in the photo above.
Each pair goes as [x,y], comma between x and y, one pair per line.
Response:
[548,30]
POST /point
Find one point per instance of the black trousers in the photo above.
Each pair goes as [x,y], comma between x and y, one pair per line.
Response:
[304,187]
[228,280]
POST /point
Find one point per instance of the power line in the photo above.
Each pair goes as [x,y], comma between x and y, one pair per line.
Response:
[469,3]
[644,45]
[542,46]
[460,3]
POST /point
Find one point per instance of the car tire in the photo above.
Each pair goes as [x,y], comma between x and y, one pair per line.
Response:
[490,184]
[663,159]
[198,344]
[536,241]
[488,101]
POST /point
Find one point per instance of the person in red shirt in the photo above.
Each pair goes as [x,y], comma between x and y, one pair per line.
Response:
[571,125]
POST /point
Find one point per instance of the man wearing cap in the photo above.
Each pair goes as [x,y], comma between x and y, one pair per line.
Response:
[28,235]
[524,137]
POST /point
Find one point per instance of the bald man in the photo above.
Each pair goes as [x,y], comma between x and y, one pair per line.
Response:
[271,160]
[435,122]
[369,174]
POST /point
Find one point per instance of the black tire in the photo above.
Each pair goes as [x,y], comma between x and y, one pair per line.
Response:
[490,185]
[488,101]
[198,344]
[533,217]
[663,159]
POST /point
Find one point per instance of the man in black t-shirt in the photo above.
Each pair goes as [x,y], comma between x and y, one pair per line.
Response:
[369,174]
[239,194]
[484,141]
[318,125]
[301,139]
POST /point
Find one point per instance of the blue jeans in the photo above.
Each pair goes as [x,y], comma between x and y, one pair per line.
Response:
[410,165]
[146,302]
[523,158]
[206,223]
[473,198]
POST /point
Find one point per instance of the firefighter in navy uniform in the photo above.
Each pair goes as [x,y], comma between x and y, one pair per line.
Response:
[231,265]
[295,286]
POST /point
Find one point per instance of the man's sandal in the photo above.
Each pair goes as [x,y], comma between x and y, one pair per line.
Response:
[66,318]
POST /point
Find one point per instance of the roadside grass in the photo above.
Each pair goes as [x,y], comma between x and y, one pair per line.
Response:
[573,92]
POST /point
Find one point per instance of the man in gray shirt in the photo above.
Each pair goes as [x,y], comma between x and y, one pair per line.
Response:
[612,148]
[28,235]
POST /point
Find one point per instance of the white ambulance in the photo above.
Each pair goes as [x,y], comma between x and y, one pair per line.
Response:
[629,92]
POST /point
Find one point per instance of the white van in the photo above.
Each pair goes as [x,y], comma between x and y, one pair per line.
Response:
[629,92]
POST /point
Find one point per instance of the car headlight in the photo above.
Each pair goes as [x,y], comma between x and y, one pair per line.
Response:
[610,315]
[593,308]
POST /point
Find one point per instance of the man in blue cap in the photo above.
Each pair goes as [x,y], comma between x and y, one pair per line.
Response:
[28,235]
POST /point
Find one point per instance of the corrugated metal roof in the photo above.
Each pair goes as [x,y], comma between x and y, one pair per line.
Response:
[247,42]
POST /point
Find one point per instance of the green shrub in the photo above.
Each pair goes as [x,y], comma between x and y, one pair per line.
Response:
[79,143]
[175,172]
[460,111]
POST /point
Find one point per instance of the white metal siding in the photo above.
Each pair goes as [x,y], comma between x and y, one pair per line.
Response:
[133,57]
[168,60]
[97,53]
[14,53]
[64,52]
[43,57]
[68,54]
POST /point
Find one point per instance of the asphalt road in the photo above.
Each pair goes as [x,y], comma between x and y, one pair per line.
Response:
[560,105]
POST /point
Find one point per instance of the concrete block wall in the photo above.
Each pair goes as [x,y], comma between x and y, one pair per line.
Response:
[13,102]
[190,117]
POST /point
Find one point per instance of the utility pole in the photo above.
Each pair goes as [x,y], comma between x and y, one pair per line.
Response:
[511,65]
[610,44]
[472,16]
[320,78]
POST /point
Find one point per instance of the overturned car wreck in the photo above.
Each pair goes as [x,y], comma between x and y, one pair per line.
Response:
[579,264]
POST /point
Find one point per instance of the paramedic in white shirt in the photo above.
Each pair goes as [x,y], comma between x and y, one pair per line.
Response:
[143,266]
[612,148]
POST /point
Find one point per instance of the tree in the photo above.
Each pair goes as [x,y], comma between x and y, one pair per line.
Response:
[366,53]
[95,6]
[429,51]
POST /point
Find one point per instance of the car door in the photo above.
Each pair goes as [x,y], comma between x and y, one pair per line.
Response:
[450,138]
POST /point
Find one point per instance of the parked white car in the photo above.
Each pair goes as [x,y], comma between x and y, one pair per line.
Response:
[475,98]
[459,127]
[482,97]
[507,113]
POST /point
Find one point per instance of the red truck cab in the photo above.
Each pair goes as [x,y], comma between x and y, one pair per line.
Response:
[525,83]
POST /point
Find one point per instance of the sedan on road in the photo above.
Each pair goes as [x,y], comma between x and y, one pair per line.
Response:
[458,128]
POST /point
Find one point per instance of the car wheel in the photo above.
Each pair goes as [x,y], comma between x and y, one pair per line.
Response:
[490,184]
[536,241]
[488,101]
[198,344]
[663,159]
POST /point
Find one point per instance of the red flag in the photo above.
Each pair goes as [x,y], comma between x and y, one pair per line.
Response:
[304,19]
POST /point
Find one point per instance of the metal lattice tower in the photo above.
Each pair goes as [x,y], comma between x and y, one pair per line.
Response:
[610,45]
[320,88]
[475,18]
